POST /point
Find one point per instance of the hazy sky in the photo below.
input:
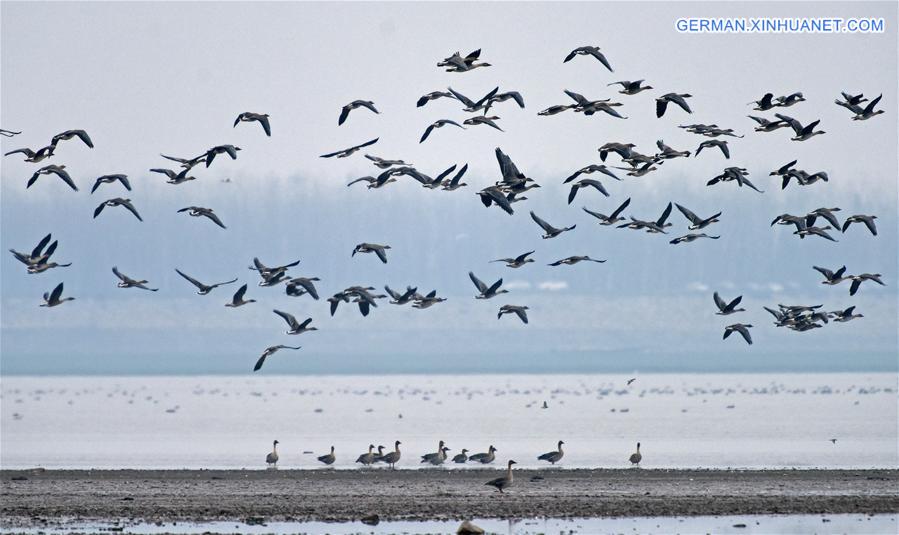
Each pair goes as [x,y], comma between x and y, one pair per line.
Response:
[146,78]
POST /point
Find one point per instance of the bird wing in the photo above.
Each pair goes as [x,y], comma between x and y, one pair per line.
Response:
[543,224]
[130,207]
[57,292]
[602,59]
[478,283]
[266,126]
[664,216]
[620,209]
[870,107]
[735,302]
[427,133]
[215,218]
[745,332]
[99,209]
[462,98]
[487,97]
[661,106]
[521,257]
[679,100]
[291,321]
[580,99]
[191,280]
[688,214]
[40,246]
[61,173]
[84,137]
[521,314]
[719,302]
[344,113]
[571,194]
[119,274]
[259,362]
[382,254]
[596,184]
[495,286]
[238,295]
[810,127]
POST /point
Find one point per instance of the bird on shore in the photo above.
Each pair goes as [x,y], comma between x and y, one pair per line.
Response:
[742,328]
[721,144]
[127,282]
[117,201]
[230,150]
[345,111]
[439,455]
[272,458]
[109,179]
[238,299]
[831,278]
[199,211]
[572,260]
[367,458]
[553,456]
[456,63]
[857,281]
[69,134]
[350,151]
[549,230]
[503,482]
[58,170]
[484,458]
[516,262]
[636,457]
[589,51]
[34,156]
[54,298]
[725,308]
[610,219]
[392,457]
[519,311]
[329,458]
[677,98]
[438,124]
[261,118]
[868,220]
[175,178]
[295,326]
[379,250]
[202,289]
[461,458]
[486,292]
[803,133]
[631,88]
[269,351]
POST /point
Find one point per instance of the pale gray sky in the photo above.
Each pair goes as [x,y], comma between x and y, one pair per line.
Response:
[145,78]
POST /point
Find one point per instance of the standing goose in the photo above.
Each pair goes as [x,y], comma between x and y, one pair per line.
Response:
[742,328]
[203,289]
[461,458]
[269,351]
[52,299]
[118,201]
[261,118]
[350,151]
[572,260]
[367,458]
[127,282]
[272,458]
[484,458]
[392,457]
[725,308]
[631,88]
[440,123]
[609,219]
[329,458]
[589,51]
[295,326]
[516,262]
[636,457]
[238,299]
[519,311]
[662,102]
[199,211]
[549,230]
[69,134]
[504,482]
[470,105]
[58,170]
[486,292]
[109,179]
[441,451]
[34,156]
[868,220]
[553,456]
[345,111]
[380,250]
[230,150]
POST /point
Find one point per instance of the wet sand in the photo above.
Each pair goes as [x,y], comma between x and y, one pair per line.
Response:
[32,498]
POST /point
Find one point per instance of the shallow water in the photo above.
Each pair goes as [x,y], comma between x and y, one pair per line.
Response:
[758,524]
[682,421]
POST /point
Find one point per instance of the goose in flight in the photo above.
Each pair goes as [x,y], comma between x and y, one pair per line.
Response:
[765,103]
[808,230]
[589,51]
[380,250]
[433,95]
[109,179]
[631,88]
[261,118]
[585,183]
[302,285]
[440,123]
[472,106]
[504,482]
[401,298]
[52,299]
[610,219]
[639,171]
[502,97]
[382,163]
[295,326]
[520,311]
[230,150]
[238,299]
[493,195]
[43,265]
[636,457]
[736,174]
[662,102]
[127,282]
[266,271]
[590,107]
[485,292]
[482,119]
[668,153]
[34,156]
[37,254]
[863,114]
[721,144]
[350,151]
[868,220]
[272,458]
[652,227]
[764,125]
[118,201]
[857,281]
[553,456]
[725,308]
[329,458]
[825,213]
[832,278]
[742,328]
[549,230]
[843,316]
[456,182]
[456,63]
[851,99]
[484,458]
[789,100]
[381,180]
[691,237]
[516,262]
[802,178]
[802,132]
[58,170]
[175,178]
[345,111]
[199,211]
[269,351]
[425,301]
[8,133]
[554,110]
[69,134]
[593,168]
[203,289]
[696,222]
[187,163]
[572,260]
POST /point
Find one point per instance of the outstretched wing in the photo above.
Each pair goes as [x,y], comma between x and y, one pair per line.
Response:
[479,284]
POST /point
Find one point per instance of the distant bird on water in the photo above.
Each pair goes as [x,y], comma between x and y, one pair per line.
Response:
[261,118]
[484,458]
[269,351]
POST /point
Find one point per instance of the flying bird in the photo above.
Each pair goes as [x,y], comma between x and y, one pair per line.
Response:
[109,179]
[486,292]
[230,150]
[349,152]
[518,261]
[295,326]
[679,99]
[199,211]
[549,230]
[118,201]
[69,134]
[238,299]
[380,250]
[203,289]
[519,311]
[261,118]
[868,220]
[127,282]
[52,299]
[58,170]
[345,111]
[589,51]
[34,156]
[725,308]
[742,328]
[269,351]
[438,124]
[572,260]
[610,219]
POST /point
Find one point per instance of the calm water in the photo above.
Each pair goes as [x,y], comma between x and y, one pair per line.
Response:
[695,421]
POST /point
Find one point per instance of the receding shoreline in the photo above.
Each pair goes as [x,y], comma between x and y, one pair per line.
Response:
[33,498]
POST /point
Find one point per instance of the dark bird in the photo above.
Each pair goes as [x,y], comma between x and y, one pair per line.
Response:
[109,179]
[742,328]
[610,219]
[261,118]
[382,163]
[433,95]
[438,124]
[302,285]
[493,195]
[631,88]
[593,168]
[868,111]
[554,456]
[764,125]
[380,250]
[549,230]
[868,220]
[696,222]
[238,299]
[470,105]
[456,63]
[52,299]
[831,278]
[482,119]
[662,102]
[725,308]
[789,100]
[486,292]
[37,254]
[295,326]
[203,289]
[69,134]
[519,311]
[802,132]
[503,482]
[34,156]
[58,170]
[230,150]
[843,316]
[127,282]
[345,111]
[118,201]
[691,237]
[721,144]
[199,211]
[175,178]
[269,351]
[857,281]
[765,103]
[348,152]
[502,97]
[572,260]
[588,51]
[586,183]
[518,261]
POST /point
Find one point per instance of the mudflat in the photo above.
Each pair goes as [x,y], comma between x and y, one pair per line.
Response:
[30,498]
